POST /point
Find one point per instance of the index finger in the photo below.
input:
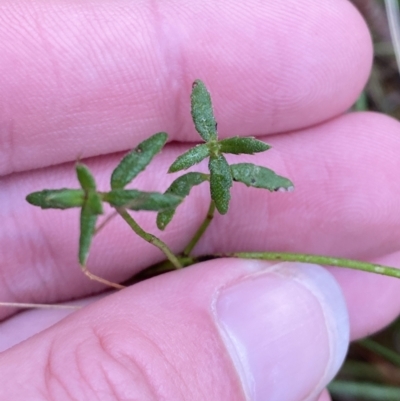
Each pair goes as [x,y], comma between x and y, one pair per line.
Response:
[82,81]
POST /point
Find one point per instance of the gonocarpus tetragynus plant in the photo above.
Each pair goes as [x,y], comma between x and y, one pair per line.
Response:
[220,177]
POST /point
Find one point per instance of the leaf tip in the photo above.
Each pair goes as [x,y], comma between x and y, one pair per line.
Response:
[164,218]
[197,82]
[161,225]
[172,169]
[33,198]
[287,189]
[223,211]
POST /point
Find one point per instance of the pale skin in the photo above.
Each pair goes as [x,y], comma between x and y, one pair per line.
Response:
[80,81]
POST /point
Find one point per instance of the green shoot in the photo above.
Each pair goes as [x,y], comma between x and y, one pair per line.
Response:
[222,175]
[91,201]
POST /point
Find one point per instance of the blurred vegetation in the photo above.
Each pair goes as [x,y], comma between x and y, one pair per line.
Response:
[382,92]
[372,368]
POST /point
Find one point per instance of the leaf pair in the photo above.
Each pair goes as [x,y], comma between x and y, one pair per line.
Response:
[91,201]
[221,175]
[87,198]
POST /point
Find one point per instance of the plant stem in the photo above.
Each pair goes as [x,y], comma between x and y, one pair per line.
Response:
[365,371]
[381,350]
[104,222]
[364,391]
[159,268]
[318,259]
[204,225]
[152,239]
[99,279]
[38,306]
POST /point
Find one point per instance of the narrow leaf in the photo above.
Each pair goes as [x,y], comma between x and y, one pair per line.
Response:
[202,112]
[57,198]
[260,177]
[180,187]
[85,177]
[94,202]
[137,160]
[87,225]
[220,182]
[138,200]
[190,158]
[238,145]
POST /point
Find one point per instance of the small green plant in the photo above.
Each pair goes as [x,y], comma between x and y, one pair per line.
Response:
[91,201]
[221,174]
[220,177]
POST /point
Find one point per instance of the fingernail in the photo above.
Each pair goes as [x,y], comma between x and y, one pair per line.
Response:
[286,329]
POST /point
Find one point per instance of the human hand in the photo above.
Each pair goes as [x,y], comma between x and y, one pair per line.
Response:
[84,81]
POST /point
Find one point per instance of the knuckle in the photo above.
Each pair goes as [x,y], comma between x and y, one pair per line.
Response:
[95,368]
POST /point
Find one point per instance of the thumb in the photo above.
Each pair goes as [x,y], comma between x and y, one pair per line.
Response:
[222,330]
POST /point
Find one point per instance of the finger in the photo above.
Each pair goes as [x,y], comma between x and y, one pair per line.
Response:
[78,81]
[227,330]
[335,209]
[324,396]
[373,300]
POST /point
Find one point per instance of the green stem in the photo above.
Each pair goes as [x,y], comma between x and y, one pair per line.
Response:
[364,391]
[99,279]
[362,102]
[152,239]
[356,370]
[204,225]
[318,259]
[379,349]
[39,306]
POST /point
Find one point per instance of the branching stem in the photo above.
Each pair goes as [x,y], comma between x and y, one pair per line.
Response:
[152,239]
[199,233]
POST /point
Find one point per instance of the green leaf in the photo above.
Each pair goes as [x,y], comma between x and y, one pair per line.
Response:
[260,177]
[138,200]
[94,202]
[57,198]
[85,177]
[87,226]
[190,158]
[137,160]
[180,187]
[202,112]
[238,145]
[220,182]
